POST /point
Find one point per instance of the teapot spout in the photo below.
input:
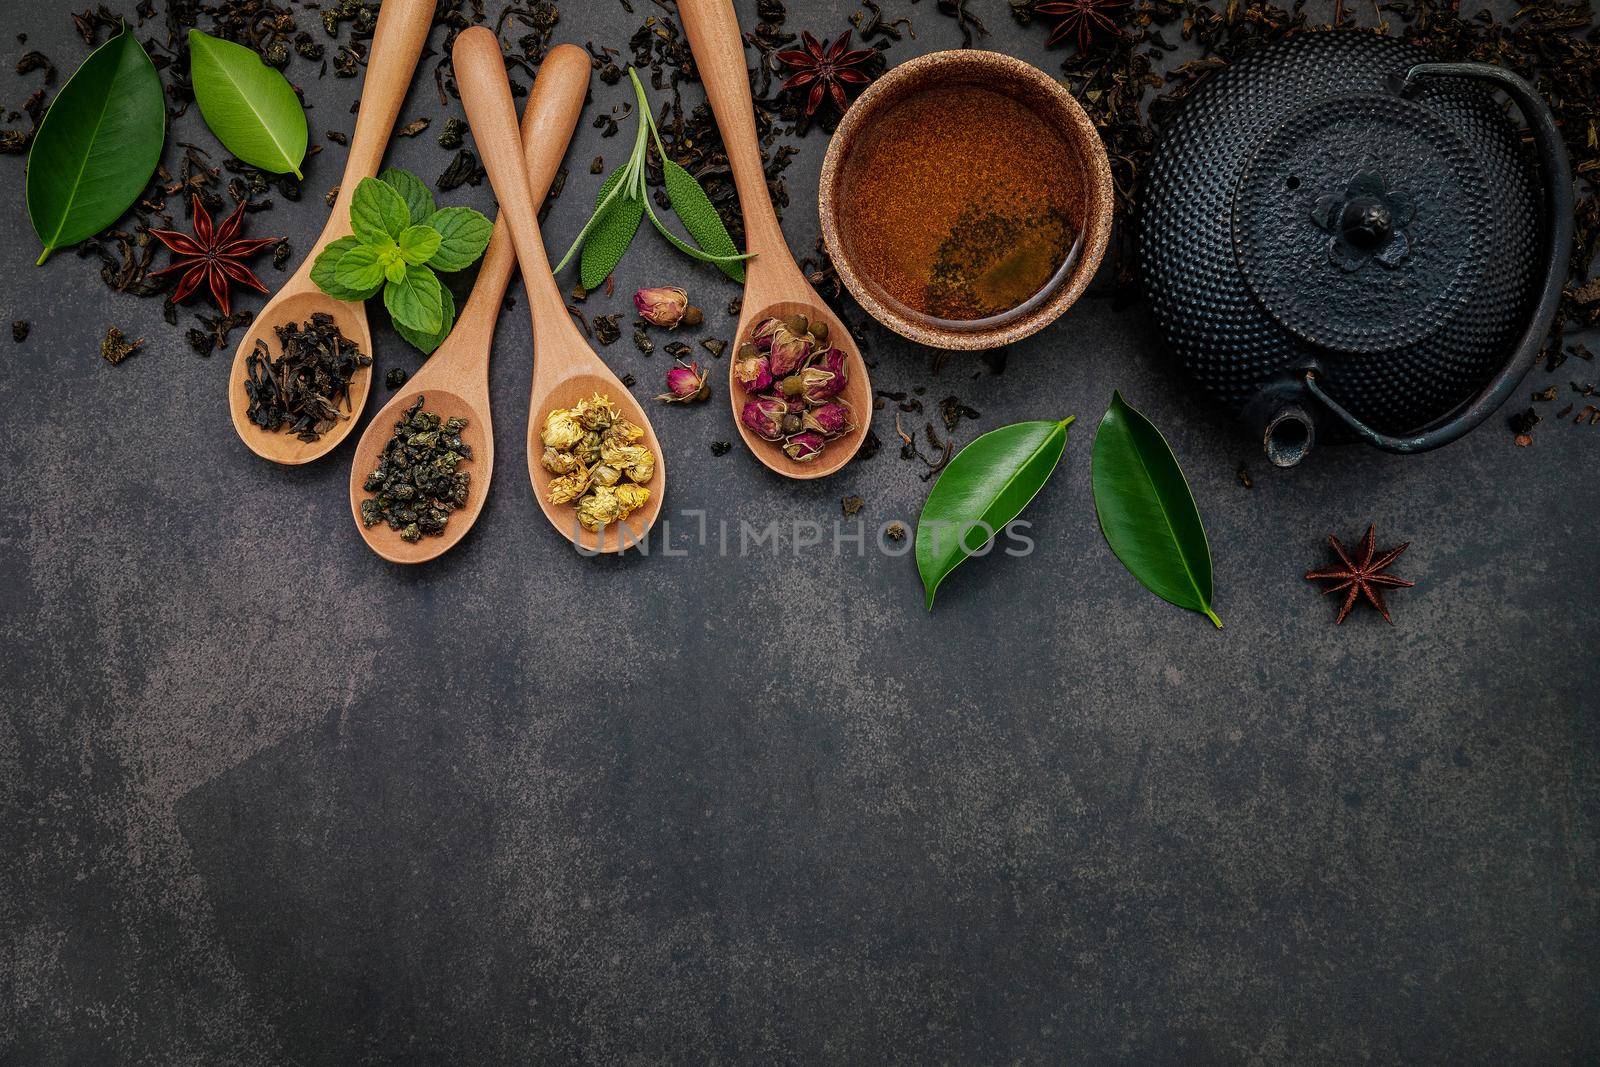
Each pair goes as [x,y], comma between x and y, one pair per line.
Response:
[1286,426]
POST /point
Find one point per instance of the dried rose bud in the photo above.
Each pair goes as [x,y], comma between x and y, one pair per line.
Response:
[751,371]
[820,383]
[789,352]
[832,419]
[797,325]
[804,447]
[761,336]
[663,306]
[793,422]
[833,359]
[686,383]
[764,415]
[791,386]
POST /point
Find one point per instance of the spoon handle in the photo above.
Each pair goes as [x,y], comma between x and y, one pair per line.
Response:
[548,120]
[713,32]
[486,95]
[397,43]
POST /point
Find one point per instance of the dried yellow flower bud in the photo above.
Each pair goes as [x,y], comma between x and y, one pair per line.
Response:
[630,498]
[604,475]
[599,508]
[588,448]
[623,432]
[561,430]
[559,462]
[566,489]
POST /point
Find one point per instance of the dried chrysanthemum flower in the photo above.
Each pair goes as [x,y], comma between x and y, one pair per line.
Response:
[686,383]
[623,432]
[588,448]
[561,430]
[666,306]
[599,508]
[558,462]
[630,498]
[568,487]
[595,413]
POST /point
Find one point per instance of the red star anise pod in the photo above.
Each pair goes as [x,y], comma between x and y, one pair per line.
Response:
[826,68]
[1082,18]
[1363,579]
[215,256]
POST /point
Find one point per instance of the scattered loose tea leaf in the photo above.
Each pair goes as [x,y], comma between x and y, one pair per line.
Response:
[19,331]
[720,448]
[116,347]
[411,129]
[851,505]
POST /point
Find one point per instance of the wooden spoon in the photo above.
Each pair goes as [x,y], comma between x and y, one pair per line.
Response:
[565,368]
[396,45]
[774,287]
[455,379]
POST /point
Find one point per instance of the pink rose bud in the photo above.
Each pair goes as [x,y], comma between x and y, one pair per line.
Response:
[833,359]
[764,416]
[789,352]
[751,372]
[804,447]
[819,383]
[761,336]
[832,419]
[664,306]
[686,383]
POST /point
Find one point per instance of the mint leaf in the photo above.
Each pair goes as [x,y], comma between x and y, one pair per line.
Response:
[377,211]
[394,268]
[416,301]
[413,190]
[426,343]
[419,243]
[360,270]
[325,272]
[464,234]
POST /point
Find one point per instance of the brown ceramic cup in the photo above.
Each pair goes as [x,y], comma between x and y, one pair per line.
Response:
[1047,100]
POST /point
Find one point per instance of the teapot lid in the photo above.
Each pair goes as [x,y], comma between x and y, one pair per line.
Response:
[1359,223]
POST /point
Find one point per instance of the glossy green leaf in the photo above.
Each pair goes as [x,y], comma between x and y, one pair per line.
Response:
[463,233]
[378,212]
[426,343]
[325,271]
[251,108]
[413,190]
[691,204]
[360,271]
[612,231]
[1146,511]
[416,301]
[98,145]
[982,489]
[419,243]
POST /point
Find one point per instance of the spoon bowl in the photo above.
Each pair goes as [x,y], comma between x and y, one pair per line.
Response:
[297,305]
[397,43]
[857,393]
[455,379]
[773,280]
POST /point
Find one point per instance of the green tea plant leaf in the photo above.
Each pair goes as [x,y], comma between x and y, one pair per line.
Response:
[463,235]
[691,204]
[98,145]
[419,243]
[416,301]
[982,489]
[325,271]
[361,270]
[251,108]
[413,190]
[427,343]
[1147,512]
[610,233]
[377,211]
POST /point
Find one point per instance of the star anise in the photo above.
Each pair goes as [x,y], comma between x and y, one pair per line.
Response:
[1080,18]
[214,255]
[1364,578]
[826,69]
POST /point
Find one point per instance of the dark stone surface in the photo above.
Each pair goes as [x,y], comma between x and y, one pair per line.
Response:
[269,799]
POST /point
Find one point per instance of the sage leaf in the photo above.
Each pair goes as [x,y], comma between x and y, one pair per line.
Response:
[251,108]
[416,301]
[427,343]
[360,271]
[419,243]
[98,145]
[691,204]
[1146,511]
[378,212]
[463,235]
[982,489]
[612,231]
[413,190]
[325,271]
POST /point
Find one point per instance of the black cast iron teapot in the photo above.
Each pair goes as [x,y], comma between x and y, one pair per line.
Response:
[1342,239]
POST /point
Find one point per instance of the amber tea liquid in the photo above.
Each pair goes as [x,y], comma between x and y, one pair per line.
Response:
[963,206]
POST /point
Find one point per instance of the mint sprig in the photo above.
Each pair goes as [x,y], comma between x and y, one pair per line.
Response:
[400,240]
[622,205]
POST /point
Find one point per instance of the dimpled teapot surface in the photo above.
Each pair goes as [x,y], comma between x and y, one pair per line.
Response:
[1339,238]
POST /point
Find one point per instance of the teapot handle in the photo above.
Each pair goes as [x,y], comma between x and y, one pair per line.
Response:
[1557,172]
